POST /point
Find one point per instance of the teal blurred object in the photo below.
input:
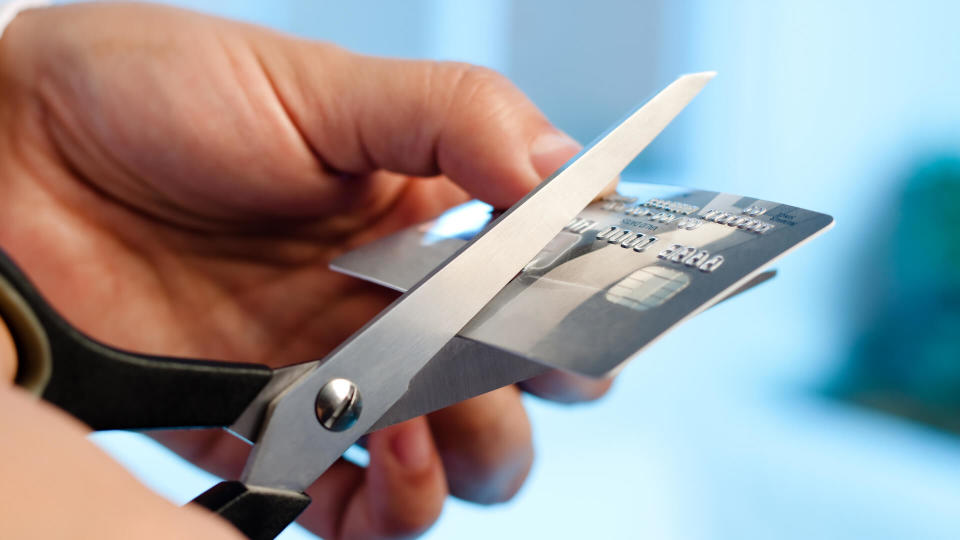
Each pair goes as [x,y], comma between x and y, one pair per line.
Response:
[908,359]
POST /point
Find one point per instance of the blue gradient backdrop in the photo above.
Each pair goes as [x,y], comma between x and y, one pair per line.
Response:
[718,431]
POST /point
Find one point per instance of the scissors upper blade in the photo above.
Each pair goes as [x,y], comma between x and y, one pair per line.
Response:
[382,358]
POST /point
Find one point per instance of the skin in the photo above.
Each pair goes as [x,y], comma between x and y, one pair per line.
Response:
[177,184]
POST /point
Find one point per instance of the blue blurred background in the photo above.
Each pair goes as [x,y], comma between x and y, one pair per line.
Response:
[825,403]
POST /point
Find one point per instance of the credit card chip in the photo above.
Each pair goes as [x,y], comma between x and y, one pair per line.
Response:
[648,287]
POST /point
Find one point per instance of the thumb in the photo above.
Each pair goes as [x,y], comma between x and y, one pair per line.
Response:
[422,118]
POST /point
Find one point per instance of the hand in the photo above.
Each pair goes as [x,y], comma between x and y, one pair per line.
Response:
[177,184]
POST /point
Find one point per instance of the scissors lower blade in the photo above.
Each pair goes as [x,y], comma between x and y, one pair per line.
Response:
[466,368]
[461,370]
[379,361]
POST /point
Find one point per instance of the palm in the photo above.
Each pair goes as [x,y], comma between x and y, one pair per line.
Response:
[178,184]
[201,219]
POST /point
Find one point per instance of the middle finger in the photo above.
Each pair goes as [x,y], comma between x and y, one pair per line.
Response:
[485,444]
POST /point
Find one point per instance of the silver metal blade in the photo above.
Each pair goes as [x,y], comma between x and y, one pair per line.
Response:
[381,359]
[461,370]
[247,426]
[466,368]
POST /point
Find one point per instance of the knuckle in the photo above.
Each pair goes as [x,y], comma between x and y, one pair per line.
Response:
[477,86]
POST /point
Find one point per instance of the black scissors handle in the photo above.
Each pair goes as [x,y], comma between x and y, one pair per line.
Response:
[108,388]
[259,513]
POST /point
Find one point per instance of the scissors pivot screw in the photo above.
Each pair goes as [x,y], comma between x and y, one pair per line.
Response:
[338,405]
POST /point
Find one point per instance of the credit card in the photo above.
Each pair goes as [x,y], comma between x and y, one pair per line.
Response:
[621,274]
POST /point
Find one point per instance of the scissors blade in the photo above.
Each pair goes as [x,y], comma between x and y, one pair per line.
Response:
[466,368]
[463,369]
[382,359]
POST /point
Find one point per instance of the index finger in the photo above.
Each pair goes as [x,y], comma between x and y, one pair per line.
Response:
[422,118]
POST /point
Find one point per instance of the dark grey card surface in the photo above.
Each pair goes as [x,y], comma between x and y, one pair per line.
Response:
[615,279]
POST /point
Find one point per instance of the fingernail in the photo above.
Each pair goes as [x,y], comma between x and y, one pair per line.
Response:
[550,150]
[412,446]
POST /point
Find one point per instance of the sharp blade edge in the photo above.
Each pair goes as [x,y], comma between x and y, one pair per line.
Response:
[386,354]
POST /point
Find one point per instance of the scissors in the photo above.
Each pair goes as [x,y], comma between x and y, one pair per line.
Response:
[300,419]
